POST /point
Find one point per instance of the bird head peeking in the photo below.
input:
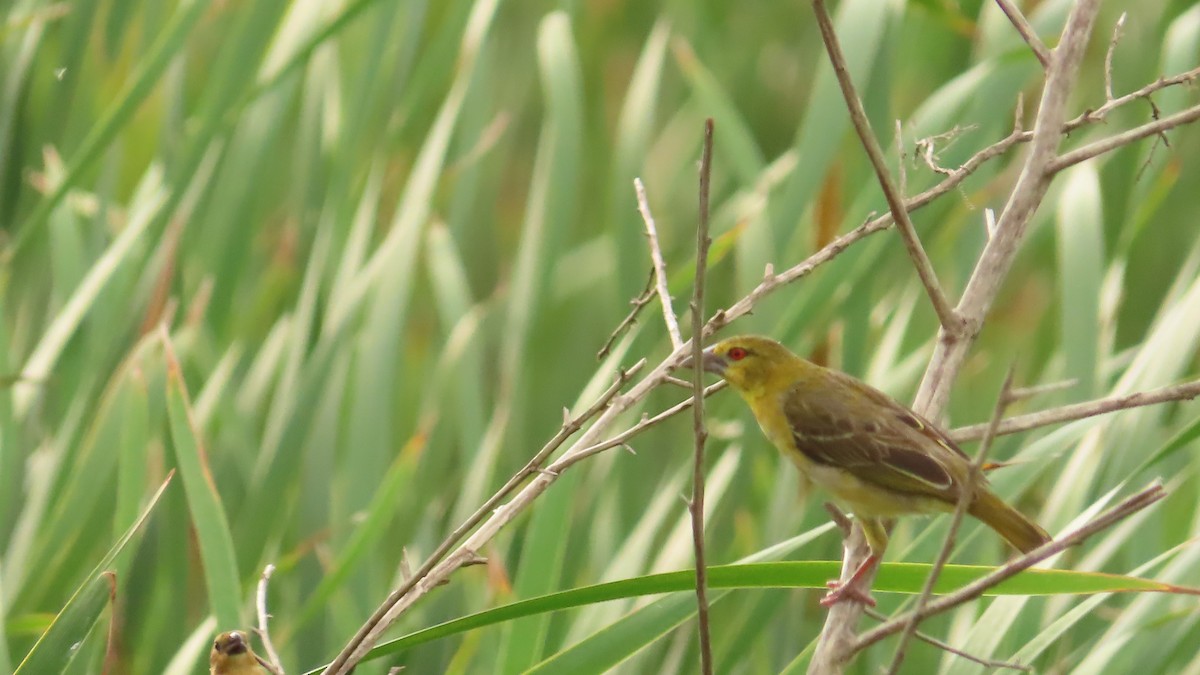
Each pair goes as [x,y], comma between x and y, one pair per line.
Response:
[749,363]
[231,655]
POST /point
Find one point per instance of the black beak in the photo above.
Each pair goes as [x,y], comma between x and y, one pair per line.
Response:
[236,644]
[710,362]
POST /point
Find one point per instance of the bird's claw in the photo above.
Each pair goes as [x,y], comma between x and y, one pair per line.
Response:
[839,592]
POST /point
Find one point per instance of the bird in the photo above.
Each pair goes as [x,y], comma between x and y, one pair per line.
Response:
[231,655]
[873,454]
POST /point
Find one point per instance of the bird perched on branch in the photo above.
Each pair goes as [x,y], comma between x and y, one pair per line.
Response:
[231,655]
[873,454]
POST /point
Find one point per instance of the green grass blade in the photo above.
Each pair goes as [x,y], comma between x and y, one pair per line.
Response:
[204,503]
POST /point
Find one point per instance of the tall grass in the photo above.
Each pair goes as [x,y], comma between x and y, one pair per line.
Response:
[385,240]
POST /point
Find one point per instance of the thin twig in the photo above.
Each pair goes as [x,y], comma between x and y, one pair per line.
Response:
[944,646]
[660,266]
[1035,390]
[264,634]
[975,589]
[345,660]
[1100,147]
[638,303]
[858,116]
[622,438]
[696,504]
[840,518]
[1097,115]
[677,381]
[1027,194]
[954,178]
[1108,57]
[1023,27]
[965,496]
[1078,411]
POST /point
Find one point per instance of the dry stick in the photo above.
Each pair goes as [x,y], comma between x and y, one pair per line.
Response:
[343,661]
[678,382]
[953,179]
[1162,83]
[1078,411]
[1108,57]
[965,496]
[977,588]
[623,437]
[660,266]
[638,303]
[1019,22]
[1154,128]
[945,646]
[696,504]
[1031,186]
[1022,393]
[895,200]
[274,664]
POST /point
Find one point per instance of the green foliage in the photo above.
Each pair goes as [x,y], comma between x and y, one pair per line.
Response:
[386,240]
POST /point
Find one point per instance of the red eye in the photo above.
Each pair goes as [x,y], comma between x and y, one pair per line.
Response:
[737,353]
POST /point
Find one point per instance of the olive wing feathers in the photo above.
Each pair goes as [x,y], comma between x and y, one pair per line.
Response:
[865,432]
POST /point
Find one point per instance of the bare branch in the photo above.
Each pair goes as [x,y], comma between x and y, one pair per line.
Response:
[622,438]
[1032,391]
[1078,411]
[660,266]
[953,179]
[1111,143]
[696,503]
[977,588]
[1145,92]
[1118,30]
[965,496]
[835,645]
[274,664]
[996,259]
[638,303]
[858,116]
[989,663]
[840,519]
[1019,22]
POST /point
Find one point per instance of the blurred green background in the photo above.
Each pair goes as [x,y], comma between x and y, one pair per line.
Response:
[386,240]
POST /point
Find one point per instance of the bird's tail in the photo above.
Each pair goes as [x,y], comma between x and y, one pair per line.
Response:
[1008,522]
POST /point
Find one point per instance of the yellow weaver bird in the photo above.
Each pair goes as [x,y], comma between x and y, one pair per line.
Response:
[231,655]
[872,453]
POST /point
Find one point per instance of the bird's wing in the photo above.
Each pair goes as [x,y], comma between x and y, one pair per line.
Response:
[882,443]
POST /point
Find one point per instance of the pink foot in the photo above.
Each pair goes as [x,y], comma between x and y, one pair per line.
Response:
[853,588]
[840,592]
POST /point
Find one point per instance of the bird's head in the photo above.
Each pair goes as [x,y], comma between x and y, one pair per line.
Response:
[231,643]
[749,363]
[231,655]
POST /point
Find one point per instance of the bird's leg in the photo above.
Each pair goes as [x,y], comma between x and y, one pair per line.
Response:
[853,588]
[857,587]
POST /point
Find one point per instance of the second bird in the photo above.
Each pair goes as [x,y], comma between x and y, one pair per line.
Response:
[872,453]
